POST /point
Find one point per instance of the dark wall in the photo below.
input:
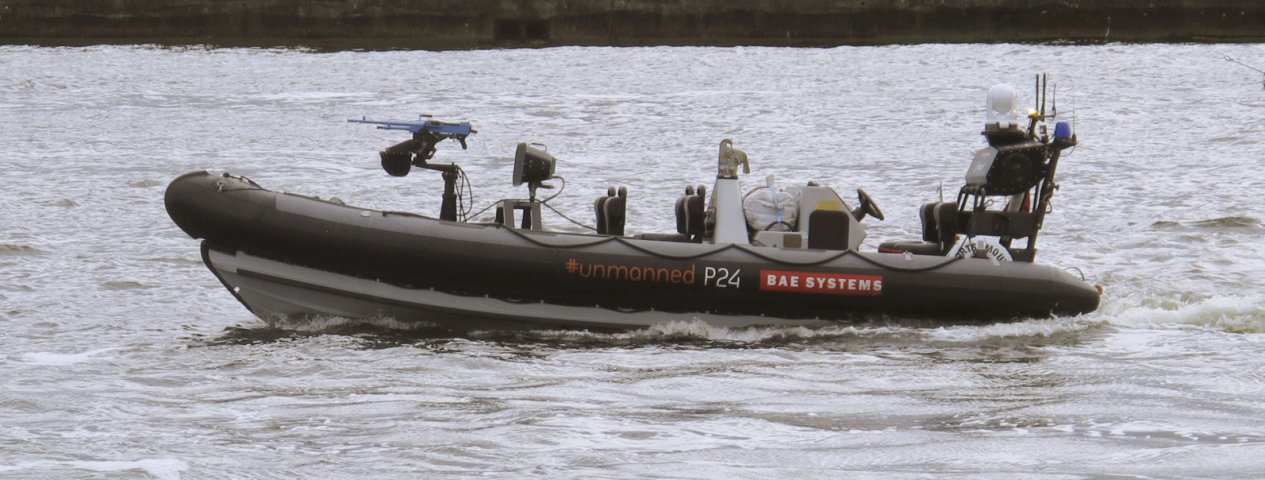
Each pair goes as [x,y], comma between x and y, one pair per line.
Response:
[482,23]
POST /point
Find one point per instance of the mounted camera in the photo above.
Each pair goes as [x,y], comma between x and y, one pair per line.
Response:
[533,166]
[1008,170]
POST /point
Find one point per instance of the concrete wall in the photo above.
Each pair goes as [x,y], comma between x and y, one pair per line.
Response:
[441,24]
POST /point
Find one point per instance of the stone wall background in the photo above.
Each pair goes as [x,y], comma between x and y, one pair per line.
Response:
[442,24]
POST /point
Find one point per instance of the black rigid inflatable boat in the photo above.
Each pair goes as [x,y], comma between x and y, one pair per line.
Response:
[774,256]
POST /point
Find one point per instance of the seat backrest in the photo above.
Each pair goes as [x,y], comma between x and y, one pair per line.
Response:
[615,212]
[930,229]
[828,230]
[599,210]
[682,217]
[694,212]
[947,221]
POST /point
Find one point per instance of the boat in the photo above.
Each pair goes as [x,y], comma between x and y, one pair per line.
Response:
[770,255]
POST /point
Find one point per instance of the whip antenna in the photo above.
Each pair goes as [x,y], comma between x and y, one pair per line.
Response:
[1054,103]
[1253,67]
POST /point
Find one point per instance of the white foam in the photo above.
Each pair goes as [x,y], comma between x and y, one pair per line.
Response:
[1035,327]
[157,467]
[62,359]
[1232,313]
[326,323]
[161,468]
[698,329]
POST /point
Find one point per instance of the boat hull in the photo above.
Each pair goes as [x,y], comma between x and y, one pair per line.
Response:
[276,290]
[290,255]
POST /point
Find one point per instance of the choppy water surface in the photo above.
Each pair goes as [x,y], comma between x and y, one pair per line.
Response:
[121,356]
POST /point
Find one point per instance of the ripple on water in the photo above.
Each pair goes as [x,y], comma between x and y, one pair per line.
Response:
[122,285]
[18,249]
[160,468]
[1215,224]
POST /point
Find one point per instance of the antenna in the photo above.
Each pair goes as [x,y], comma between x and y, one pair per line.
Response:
[1036,87]
[1054,103]
[1073,108]
[1045,78]
[1235,60]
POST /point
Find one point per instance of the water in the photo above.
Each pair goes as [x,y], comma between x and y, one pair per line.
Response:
[122,357]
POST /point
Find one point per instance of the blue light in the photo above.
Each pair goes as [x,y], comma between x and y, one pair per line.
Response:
[1062,130]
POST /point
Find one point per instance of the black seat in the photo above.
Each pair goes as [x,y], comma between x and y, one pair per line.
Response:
[682,215]
[930,229]
[828,230]
[599,210]
[947,222]
[697,215]
[690,214]
[610,211]
[939,231]
[614,208]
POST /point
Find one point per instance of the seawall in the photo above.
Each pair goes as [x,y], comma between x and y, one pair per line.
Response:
[447,24]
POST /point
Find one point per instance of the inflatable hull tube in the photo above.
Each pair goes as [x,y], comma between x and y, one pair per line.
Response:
[290,255]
